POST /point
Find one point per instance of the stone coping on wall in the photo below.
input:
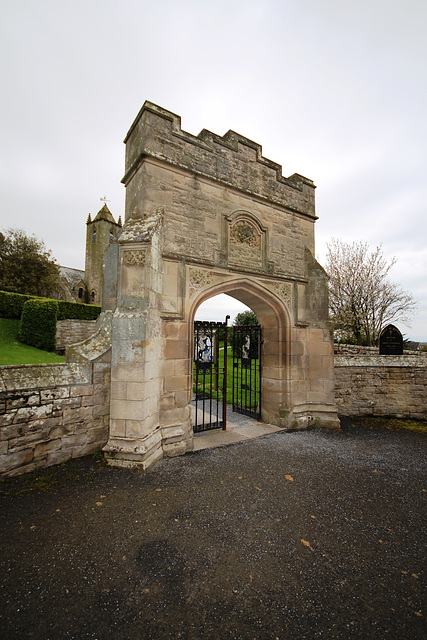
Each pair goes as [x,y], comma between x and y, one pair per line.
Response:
[28,376]
[380,361]
[359,350]
[71,331]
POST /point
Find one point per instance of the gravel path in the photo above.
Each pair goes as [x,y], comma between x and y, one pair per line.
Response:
[311,534]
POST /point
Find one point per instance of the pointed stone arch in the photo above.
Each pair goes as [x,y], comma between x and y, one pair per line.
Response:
[275,320]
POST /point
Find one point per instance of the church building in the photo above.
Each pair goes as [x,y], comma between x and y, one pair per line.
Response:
[86,286]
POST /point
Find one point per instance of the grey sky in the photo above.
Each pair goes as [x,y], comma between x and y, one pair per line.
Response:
[333,90]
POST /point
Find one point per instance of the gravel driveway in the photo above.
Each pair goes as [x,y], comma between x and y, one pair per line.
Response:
[312,534]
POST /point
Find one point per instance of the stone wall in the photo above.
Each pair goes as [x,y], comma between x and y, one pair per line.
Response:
[51,413]
[381,386]
[73,331]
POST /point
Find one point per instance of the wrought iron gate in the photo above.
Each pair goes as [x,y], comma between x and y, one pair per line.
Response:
[209,402]
[209,376]
[247,370]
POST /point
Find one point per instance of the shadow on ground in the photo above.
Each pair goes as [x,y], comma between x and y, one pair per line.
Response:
[294,535]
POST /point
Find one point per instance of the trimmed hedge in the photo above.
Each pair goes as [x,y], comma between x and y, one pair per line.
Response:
[77,311]
[11,305]
[38,323]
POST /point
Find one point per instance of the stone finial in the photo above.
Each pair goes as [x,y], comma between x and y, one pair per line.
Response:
[89,219]
[119,221]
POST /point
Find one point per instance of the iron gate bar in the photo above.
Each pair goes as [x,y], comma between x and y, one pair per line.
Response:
[224,393]
[247,365]
[208,383]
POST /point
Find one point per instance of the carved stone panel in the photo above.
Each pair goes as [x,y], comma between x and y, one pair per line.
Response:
[133,278]
[132,257]
[284,291]
[197,279]
[246,243]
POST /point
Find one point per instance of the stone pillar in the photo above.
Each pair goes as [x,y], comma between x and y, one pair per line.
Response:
[137,345]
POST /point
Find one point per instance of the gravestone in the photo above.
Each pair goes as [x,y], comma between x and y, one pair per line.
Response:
[391,341]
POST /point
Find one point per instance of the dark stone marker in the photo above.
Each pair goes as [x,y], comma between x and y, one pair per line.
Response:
[391,341]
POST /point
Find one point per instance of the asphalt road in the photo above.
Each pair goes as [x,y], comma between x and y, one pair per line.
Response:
[312,534]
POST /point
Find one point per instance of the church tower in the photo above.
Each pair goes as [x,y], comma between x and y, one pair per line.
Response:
[99,234]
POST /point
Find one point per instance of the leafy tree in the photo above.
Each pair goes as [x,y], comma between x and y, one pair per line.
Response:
[25,265]
[245,318]
[362,301]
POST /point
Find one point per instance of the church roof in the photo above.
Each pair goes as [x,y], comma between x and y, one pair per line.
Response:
[73,276]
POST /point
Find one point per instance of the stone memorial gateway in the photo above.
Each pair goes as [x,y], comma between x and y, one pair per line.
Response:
[206,215]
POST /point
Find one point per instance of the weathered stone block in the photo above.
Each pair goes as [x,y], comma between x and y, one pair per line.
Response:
[23,400]
[69,403]
[175,349]
[101,410]
[98,435]
[15,460]
[7,419]
[80,390]
[117,427]
[50,395]
[81,414]
[43,448]
[60,430]
[58,457]
[27,414]
[72,441]
[23,441]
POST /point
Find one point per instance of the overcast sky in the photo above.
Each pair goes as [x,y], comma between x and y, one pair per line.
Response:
[333,90]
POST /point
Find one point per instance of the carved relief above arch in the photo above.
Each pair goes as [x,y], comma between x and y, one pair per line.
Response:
[283,290]
[200,278]
[246,241]
[244,232]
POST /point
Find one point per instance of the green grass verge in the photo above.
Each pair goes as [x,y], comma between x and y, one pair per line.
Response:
[14,352]
[247,397]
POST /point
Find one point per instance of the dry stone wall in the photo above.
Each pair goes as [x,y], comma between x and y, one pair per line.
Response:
[51,413]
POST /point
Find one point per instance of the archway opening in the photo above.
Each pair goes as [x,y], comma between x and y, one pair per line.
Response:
[274,320]
[216,308]
[226,370]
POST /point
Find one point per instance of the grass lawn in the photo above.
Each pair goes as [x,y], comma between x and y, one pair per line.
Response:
[250,399]
[14,352]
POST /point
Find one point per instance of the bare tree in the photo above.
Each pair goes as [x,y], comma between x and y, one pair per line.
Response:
[361,298]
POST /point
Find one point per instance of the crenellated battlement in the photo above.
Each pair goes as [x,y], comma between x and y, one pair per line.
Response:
[231,159]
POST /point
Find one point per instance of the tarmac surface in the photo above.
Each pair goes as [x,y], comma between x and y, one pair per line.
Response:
[315,534]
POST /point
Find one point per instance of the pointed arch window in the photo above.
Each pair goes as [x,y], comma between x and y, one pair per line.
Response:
[94,236]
